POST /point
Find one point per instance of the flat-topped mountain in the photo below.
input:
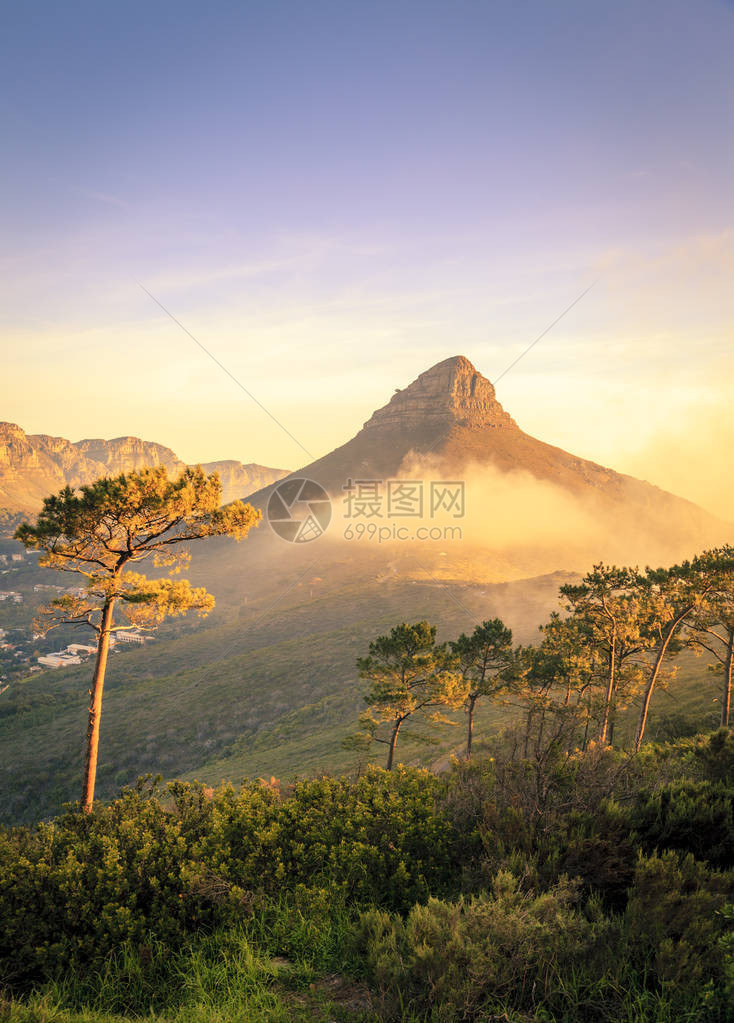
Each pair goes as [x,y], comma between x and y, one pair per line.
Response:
[32,466]
[448,424]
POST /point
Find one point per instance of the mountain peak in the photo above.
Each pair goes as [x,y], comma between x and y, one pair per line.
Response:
[450,393]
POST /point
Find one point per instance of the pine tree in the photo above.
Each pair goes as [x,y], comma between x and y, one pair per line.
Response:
[408,675]
[483,657]
[681,591]
[107,528]
[607,603]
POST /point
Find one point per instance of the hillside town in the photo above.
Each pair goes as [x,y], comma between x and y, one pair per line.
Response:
[18,651]
[24,650]
[75,653]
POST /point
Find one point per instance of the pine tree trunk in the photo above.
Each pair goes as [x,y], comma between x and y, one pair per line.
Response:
[612,719]
[653,679]
[470,728]
[541,726]
[95,707]
[611,684]
[585,743]
[528,725]
[728,673]
[393,744]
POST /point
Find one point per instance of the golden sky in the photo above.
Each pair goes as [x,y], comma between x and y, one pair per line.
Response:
[332,205]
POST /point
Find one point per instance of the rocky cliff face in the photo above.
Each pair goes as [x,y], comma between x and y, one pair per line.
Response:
[239,479]
[25,467]
[124,454]
[451,393]
[34,466]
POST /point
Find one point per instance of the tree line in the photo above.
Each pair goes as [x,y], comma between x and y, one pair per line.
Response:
[610,648]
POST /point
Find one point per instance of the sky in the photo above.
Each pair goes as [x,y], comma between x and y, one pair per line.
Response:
[331,197]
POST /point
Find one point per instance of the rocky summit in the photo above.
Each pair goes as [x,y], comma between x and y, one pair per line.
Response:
[451,393]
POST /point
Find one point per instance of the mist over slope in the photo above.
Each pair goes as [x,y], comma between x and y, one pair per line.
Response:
[527,507]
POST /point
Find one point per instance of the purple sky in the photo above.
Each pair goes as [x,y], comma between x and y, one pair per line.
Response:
[334,196]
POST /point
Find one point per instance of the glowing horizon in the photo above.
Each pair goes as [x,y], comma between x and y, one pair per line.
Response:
[333,200]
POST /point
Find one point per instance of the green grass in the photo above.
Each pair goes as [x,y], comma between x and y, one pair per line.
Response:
[258,690]
[278,967]
[267,685]
[239,976]
[227,978]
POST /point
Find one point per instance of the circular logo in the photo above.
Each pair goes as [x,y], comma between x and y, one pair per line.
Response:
[299,510]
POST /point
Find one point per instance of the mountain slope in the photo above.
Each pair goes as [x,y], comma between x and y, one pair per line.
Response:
[271,682]
[448,424]
[34,466]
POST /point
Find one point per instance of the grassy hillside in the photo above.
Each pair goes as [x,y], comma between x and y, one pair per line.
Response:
[266,686]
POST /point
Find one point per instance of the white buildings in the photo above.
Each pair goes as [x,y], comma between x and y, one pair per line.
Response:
[130,637]
[74,653]
[17,598]
[73,591]
[58,660]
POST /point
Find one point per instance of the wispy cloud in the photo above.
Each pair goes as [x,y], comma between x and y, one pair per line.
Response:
[106,197]
[700,252]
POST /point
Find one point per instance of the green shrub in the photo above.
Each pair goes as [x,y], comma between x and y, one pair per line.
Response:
[600,850]
[459,959]
[73,890]
[377,840]
[690,817]
[679,725]
[459,884]
[678,925]
[716,756]
[133,870]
